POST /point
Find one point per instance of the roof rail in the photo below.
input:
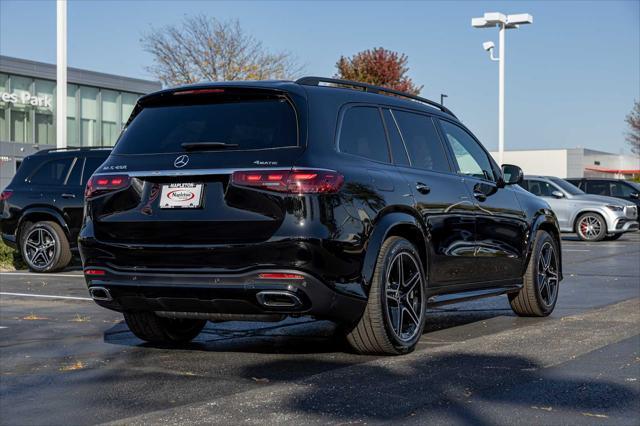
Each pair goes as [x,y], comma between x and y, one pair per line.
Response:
[315,81]
[73,148]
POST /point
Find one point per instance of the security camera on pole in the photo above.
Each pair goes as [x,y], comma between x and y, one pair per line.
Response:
[504,22]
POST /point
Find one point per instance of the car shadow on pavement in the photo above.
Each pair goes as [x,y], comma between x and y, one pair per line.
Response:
[292,336]
[449,388]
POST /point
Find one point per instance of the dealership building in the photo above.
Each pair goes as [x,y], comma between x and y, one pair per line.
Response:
[98,105]
[574,162]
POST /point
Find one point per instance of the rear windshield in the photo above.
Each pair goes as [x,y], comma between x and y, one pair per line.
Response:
[249,124]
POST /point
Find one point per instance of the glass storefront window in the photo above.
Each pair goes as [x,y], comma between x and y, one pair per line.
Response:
[95,116]
[72,123]
[21,127]
[89,116]
[3,108]
[110,122]
[45,130]
[128,102]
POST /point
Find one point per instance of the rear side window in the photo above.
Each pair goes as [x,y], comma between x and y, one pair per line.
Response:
[52,172]
[422,141]
[362,134]
[249,124]
[598,187]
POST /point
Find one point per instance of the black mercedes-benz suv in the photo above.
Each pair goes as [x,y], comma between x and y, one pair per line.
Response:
[320,197]
[41,209]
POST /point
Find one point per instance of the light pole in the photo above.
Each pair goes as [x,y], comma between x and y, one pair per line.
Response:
[504,22]
[442,96]
[61,74]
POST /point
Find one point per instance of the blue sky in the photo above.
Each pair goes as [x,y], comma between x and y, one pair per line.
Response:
[571,77]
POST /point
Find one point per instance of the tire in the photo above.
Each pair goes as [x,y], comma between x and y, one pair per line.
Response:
[154,329]
[612,237]
[44,247]
[378,332]
[591,227]
[538,296]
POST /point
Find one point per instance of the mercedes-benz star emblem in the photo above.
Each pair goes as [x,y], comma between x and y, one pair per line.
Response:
[181,161]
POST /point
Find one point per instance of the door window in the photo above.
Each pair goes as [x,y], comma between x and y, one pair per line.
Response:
[398,150]
[540,188]
[620,189]
[362,134]
[76,171]
[471,158]
[422,141]
[53,172]
[598,187]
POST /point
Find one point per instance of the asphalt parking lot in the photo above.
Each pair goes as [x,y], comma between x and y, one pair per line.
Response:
[64,360]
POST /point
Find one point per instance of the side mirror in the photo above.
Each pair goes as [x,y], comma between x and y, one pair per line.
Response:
[557,194]
[512,174]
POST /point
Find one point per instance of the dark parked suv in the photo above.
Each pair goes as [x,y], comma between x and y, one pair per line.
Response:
[41,209]
[328,198]
[617,188]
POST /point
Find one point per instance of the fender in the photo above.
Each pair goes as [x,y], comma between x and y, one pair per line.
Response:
[543,217]
[42,210]
[379,234]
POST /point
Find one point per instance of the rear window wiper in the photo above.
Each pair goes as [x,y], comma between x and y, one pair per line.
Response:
[207,145]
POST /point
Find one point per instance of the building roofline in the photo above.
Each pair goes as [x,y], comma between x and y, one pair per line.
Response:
[26,67]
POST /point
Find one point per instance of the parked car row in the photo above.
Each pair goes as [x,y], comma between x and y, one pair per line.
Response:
[591,217]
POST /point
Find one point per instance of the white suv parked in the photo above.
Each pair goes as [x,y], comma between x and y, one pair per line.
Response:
[592,217]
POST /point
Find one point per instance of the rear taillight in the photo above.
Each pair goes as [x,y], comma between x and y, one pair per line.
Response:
[6,194]
[290,181]
[99,185]
[94,272]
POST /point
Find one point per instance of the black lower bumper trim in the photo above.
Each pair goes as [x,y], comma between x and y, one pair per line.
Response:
[237,295]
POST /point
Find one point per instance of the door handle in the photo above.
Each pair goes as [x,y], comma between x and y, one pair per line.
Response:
[479,196]
[422,188]
[68,195]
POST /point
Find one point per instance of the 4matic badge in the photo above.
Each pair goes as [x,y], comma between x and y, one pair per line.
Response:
[265,163]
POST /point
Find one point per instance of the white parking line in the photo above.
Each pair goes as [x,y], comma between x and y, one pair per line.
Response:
[574,250]
[42,275]
[45,296]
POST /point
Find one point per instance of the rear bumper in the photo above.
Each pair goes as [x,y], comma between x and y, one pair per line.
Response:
[233,294]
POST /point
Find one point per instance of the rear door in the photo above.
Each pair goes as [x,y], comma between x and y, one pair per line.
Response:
[440,195]
[52,185]
[181,150]
[501,228]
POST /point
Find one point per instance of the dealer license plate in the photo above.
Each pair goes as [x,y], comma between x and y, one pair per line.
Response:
[181,196]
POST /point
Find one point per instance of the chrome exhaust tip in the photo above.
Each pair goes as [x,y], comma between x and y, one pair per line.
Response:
[100,293]
[278,299]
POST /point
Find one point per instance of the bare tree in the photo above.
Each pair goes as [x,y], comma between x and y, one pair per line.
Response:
[201,48]
[633,135]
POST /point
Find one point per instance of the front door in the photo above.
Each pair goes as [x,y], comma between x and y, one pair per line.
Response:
[501,228]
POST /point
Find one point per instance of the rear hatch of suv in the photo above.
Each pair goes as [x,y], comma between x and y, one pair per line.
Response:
[167,182]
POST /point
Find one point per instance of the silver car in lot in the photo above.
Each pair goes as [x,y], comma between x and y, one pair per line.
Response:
[592,217]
